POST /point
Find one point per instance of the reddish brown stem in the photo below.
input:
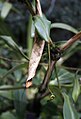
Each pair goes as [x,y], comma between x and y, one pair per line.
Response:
[71,41]
[46,80]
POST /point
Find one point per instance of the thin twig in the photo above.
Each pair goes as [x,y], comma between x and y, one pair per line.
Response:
[71,68]
[46,80]
[12,88]
[29,6]
[57,78]
[49,55]
[45,94]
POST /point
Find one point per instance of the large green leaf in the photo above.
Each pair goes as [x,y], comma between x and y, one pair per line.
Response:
[5,10]
[64,26]
[42,26]
[76,90]
[69,111]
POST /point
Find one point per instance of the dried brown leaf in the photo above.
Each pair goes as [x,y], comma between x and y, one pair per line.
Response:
[34,60]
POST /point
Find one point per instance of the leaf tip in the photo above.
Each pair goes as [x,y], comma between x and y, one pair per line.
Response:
[28,83]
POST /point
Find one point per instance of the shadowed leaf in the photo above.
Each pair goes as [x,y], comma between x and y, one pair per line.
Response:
[10,42]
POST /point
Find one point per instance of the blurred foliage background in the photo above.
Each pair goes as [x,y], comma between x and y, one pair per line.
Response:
[15,48]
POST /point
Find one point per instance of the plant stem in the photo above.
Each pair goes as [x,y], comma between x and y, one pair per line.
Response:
[57,77]
[71,41]
[46,80]
[29,39]
[38,8]
[13,88]
[49,55]
[29,6]
[71,68]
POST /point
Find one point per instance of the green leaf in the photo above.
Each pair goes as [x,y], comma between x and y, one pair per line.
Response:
[76,90]
[2,71]
[7,115]
[64,76]
[42,26]
[64,26]
[4,29]
[29,37]
[5,10]
[20,103]
[69,111]
[10,42]
[6,93]
[18,75]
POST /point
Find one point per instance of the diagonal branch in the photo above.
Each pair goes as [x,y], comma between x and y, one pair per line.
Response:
[46,80]
[71,41]
[38,8]
[12,88]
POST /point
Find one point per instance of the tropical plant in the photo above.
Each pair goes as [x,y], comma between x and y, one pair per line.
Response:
[52,90]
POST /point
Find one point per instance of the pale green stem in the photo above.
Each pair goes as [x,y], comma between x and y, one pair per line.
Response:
[57,77]
[29,39]
[49,55]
